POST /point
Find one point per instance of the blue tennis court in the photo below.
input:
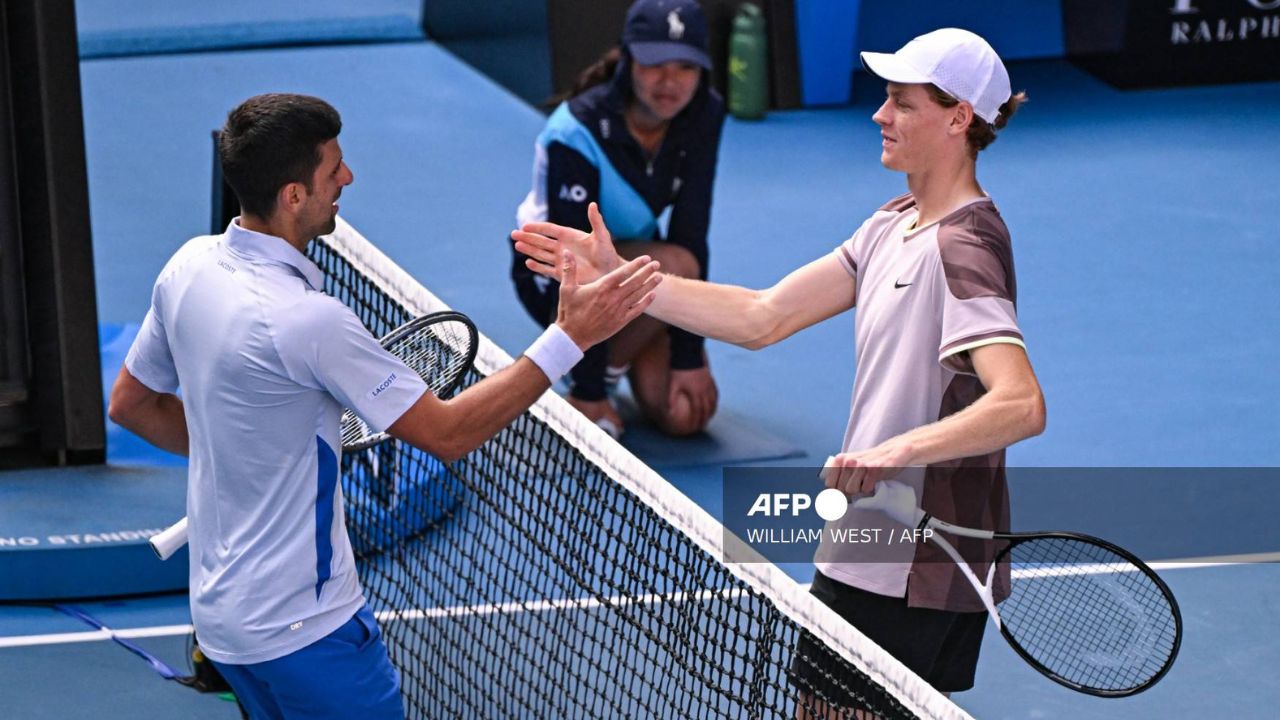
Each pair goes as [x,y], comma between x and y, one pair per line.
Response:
[1146,262]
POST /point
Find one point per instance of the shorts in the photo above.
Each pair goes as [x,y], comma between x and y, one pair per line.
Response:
[346,674]
[938,645]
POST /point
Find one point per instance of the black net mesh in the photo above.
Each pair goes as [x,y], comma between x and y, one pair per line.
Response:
[522,581]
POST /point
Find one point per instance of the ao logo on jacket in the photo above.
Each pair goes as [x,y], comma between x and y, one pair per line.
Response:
[577,193]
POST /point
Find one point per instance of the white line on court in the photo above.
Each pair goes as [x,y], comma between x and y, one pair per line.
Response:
[545,605]
[1216,561]
[93,636]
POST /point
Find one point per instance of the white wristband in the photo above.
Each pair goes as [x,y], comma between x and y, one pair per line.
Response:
[554,352]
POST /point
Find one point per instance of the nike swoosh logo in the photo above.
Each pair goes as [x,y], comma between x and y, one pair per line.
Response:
[900,285]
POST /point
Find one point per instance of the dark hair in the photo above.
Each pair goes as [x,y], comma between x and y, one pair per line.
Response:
[597,73]
[270,141]
[981,133]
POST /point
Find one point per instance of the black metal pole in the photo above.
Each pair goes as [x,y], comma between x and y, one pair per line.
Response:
[65,399]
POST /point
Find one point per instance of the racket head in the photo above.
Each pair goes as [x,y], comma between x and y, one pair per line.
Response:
[1088,614]
[440,347]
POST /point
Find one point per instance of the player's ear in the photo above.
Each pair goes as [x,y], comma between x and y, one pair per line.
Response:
[961,117]
[290,197]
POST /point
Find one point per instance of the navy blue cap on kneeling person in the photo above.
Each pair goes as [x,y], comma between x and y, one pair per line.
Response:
[662,31]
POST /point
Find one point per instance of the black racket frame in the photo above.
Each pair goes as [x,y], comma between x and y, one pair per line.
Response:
[1012,540]
[445,390]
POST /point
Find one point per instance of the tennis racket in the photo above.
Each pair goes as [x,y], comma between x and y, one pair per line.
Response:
[1087,614]
[440,347]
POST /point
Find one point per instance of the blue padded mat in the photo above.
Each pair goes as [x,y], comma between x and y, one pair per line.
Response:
[82,532]
[731,438]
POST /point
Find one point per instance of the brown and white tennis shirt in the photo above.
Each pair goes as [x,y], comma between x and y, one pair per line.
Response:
[925,298]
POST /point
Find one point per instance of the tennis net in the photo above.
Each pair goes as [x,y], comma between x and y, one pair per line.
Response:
[552,574]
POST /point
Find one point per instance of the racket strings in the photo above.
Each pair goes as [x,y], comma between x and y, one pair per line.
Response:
[1088,615]
[437,352]
[440,351]
[1081,658]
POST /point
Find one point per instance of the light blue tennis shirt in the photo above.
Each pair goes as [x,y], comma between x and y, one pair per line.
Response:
[266,362]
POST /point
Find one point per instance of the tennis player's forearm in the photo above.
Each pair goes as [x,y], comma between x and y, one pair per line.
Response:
[992,423]
[728,313]
[160,420]
[484,409]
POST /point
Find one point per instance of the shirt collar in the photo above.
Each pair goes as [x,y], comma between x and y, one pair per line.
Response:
[269,247]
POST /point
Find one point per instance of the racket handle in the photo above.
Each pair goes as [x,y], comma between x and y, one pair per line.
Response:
[827,467]
[170,540]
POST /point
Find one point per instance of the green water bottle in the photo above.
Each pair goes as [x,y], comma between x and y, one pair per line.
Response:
[748,70]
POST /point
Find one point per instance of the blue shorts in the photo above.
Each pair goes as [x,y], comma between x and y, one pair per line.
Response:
[346,674]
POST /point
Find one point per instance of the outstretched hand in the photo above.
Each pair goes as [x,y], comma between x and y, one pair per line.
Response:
[542,242]
[591,313]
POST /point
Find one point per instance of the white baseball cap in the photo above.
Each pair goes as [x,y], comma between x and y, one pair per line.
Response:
[959,62]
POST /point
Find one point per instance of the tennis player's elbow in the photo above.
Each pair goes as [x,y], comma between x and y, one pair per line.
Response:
[450,455]
[443,448]
[466,437]
[1033,414]
[771,335]
[446,446]
[764,327]
[454,444]
[126,406]
[119,413]
[116,410]
[421,433]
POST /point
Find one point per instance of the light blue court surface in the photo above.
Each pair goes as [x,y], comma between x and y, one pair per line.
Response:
[115,28]
[1143,231]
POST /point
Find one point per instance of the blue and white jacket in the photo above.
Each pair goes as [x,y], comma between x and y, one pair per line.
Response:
[585,154]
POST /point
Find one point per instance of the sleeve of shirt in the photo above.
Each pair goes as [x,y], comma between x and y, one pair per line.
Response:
[149,359]
[330,349]
[855,253]
[845,253]
[978,303]
[690,224]
[572,183]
